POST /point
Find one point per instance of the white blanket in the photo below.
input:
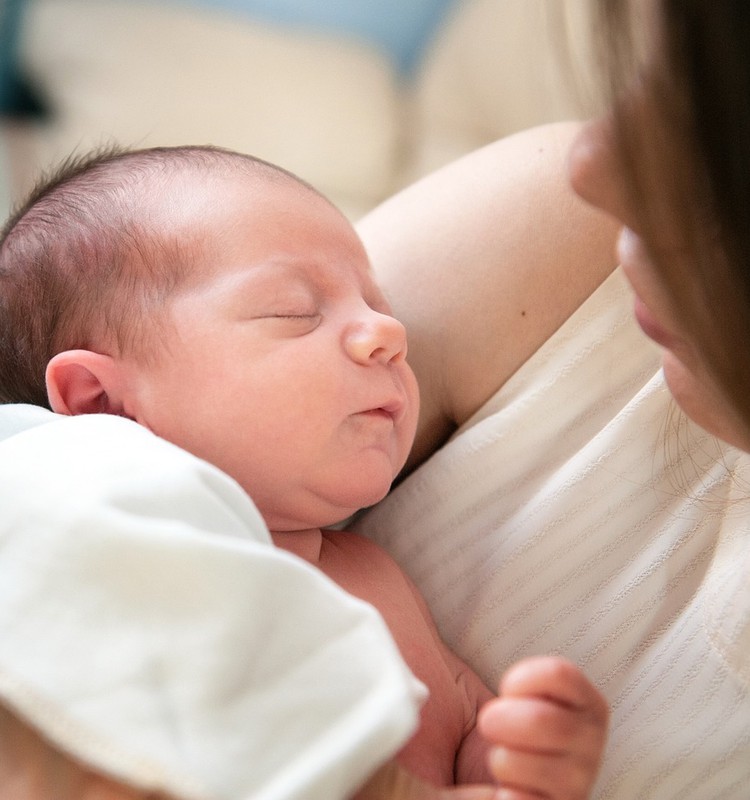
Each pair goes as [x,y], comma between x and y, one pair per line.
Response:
[148,626]
[576,514]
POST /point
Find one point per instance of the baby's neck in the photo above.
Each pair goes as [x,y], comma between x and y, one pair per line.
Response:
[305,544]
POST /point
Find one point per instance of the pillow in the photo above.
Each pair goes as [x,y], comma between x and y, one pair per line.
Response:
[5,189]
[497,68]
[324,106]
[399,29]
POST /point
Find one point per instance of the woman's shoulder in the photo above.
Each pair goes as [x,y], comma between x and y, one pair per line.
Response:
[483,260]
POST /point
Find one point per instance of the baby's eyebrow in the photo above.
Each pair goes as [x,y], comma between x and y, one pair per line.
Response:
[263,284]
[295,272]
[246,276]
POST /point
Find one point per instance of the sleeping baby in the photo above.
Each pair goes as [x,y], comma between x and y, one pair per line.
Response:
[227,306]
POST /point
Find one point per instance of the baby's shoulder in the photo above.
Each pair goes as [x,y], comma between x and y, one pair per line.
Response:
[357,550]
[355,543]
[363,567]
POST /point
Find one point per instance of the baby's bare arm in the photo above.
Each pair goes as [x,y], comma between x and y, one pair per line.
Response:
[483,261]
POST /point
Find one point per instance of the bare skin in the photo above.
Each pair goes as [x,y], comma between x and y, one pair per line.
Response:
[483,261]
[31,768]
[544,690]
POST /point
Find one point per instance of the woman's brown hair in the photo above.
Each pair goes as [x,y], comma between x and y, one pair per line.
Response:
[686,65]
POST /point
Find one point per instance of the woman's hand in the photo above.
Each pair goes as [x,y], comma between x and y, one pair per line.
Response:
[547,728]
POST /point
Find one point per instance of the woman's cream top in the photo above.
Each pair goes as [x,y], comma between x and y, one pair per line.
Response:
[578,513]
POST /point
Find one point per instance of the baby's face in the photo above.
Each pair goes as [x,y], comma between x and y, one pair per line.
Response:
[282,364]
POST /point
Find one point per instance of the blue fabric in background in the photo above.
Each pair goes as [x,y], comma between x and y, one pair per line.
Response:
[17,97]
[399,28]
[10,16]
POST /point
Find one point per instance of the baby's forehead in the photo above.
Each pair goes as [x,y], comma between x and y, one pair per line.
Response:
[203,216]
[207,197]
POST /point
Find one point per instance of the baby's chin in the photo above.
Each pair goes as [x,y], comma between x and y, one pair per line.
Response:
[326,512]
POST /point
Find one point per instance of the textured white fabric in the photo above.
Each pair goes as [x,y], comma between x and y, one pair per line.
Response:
[149,627]
[576,514]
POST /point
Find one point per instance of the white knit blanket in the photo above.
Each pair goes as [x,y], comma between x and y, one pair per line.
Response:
[149,627]
[577,514]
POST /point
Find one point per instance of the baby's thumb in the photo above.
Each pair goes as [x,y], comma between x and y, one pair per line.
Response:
[392,782]
[479,792]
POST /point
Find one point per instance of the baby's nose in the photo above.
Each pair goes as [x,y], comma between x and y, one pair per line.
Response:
[376,338]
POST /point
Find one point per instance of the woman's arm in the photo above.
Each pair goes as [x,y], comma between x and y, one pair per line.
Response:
[483,261]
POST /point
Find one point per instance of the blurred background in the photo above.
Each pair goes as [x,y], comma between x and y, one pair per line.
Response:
[359,97]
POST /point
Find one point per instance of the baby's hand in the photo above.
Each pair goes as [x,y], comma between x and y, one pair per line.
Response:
[393,782]
[547,731]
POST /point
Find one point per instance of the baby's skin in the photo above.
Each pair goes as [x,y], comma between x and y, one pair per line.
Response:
[542,735]
[279,361]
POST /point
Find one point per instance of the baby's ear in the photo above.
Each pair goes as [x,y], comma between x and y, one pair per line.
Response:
[84,382]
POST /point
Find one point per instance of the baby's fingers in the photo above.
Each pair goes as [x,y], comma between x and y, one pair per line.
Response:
[540,726]
[547,731]
[525,775]
[557,680]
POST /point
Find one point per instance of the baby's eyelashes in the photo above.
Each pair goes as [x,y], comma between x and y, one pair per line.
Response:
[294,323]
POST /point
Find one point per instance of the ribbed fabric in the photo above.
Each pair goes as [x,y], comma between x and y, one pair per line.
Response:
[576,513]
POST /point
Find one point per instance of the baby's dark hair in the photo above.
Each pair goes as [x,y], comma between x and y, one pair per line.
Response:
[82,262]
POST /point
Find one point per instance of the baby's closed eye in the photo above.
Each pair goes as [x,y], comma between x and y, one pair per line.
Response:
[291,322]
